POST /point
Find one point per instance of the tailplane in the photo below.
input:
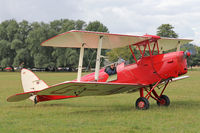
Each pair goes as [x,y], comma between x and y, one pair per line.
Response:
[31,82]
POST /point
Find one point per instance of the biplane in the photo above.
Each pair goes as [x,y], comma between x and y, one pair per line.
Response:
[152,70]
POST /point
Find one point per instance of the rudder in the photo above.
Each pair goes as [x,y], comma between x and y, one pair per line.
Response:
[31,82]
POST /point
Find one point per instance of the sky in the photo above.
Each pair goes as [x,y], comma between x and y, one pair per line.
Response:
[135,17]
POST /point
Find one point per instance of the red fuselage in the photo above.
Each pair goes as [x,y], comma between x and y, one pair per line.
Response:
[147,70]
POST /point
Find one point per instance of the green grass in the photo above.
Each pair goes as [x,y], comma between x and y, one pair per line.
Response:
[99,114]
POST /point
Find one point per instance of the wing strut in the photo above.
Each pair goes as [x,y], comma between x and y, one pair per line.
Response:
[98,58]
[178,46]
[80,62]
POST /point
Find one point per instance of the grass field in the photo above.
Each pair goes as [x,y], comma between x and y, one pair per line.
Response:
[99,114]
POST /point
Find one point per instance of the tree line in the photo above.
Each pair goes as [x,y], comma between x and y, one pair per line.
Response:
[20,44]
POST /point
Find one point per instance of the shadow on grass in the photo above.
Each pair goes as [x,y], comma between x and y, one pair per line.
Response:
[110,109]
[86,107]
[40,105]
[91,108]
[187,105]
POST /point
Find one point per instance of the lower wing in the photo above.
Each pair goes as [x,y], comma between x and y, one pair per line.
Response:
[74,88]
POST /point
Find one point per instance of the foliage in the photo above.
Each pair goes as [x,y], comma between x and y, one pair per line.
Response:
[20,43]
[117,53]
[96,26]
[166,30]
[194,59]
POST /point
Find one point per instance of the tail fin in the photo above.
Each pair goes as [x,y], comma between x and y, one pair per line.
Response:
[31,82]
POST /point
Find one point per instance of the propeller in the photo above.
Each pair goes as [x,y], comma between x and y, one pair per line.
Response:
[190,52]
[187,54]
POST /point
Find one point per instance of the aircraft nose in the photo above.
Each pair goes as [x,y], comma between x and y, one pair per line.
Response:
[187,54]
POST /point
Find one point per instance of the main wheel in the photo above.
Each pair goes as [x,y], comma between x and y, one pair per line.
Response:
[164,101]
[142,103]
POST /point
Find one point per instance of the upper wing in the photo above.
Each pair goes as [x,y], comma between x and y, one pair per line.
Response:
[171,43]
[88,88]
[75,39]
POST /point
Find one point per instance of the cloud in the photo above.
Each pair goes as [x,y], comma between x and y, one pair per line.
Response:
[120,16]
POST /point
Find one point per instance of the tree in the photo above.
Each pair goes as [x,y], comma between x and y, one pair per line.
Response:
[118,53]
[3,30]
[6,54]
[38,34]
[96,26]
[20,43]
[80,25]
[23,58]
[23,31]
[17,44]
[72,57]
[56,26]
[68,25]
[12,29]
[166,30]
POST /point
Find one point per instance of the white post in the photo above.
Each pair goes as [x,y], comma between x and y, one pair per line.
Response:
[80,63]
[98,58]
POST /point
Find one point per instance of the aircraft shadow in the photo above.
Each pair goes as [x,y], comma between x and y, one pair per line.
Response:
[187,105]
[105,109]
[90,108]
[40,105]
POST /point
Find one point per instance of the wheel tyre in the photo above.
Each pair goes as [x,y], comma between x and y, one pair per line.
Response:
[164,101]
[142,103]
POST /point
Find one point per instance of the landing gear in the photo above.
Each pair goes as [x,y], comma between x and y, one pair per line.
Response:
[164,101]
[142,102]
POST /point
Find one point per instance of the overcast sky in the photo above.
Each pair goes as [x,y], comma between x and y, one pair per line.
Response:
[136,17]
